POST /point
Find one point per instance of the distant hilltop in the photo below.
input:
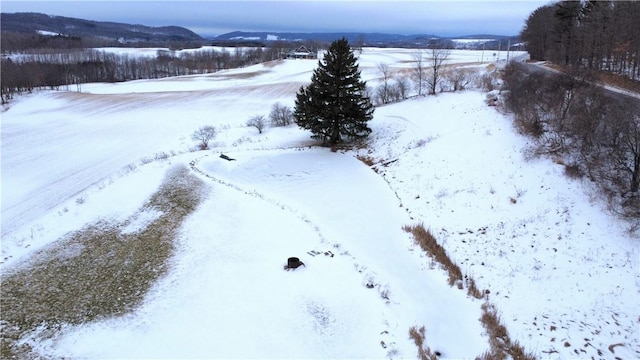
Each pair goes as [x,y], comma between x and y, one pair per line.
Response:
[371,39]
[42,24]
[38,30]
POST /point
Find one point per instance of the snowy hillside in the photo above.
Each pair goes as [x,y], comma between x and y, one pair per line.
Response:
[562,272]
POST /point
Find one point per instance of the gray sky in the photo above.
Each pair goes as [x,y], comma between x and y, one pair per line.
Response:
[214,17]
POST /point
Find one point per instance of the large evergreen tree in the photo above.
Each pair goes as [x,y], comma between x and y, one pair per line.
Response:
[334,106]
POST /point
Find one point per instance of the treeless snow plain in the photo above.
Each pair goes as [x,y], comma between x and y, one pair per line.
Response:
[563,273]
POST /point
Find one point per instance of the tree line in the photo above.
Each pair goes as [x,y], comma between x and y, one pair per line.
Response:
[595,35]
[594,133]
[56,68]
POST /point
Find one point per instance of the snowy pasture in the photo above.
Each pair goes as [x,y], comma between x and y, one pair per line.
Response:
[562,272]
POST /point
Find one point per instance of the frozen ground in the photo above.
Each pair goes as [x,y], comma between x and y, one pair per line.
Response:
[563,273]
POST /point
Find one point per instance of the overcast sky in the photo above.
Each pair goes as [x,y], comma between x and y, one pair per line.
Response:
[214,17]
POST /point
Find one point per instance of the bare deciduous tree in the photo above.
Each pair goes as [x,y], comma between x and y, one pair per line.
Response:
[258,122]
[460,79]
[384,89]
[402,86]
[419,72]
[280,115]
[204,135]
[435,59]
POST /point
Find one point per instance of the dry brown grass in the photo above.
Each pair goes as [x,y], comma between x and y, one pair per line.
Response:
[473,290]
[367,160]
[427,242]
[96,272]
[418,335]
[501,345]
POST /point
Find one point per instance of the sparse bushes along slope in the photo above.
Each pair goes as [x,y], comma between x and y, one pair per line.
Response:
[595,133]
[97,272]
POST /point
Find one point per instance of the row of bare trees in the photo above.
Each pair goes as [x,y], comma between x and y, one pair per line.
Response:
[597,35]
[428,76]
[595,133]
[23,73]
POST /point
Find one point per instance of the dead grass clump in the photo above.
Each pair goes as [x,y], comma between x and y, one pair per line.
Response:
[366,159]
[472,289]
[429,244]
[96,272]
[501,345]
[418,336]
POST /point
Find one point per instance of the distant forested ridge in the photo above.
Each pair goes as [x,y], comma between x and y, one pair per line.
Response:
[22,30]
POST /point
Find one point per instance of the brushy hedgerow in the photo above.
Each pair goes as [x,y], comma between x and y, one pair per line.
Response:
[96,272]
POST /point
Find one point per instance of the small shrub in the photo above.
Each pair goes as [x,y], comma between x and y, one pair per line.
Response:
[491,99]
[161,156]
[241,141]
[573,171]
[280,115]
[422,142]
[486,81]
[129,168]
[384,293]
[529,124]
[146,160]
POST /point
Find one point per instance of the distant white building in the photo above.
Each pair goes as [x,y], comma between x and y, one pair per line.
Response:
[301,53]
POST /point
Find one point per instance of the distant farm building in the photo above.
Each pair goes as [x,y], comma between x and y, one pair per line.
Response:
[300,53]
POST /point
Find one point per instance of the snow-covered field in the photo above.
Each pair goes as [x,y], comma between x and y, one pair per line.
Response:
[563,273]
